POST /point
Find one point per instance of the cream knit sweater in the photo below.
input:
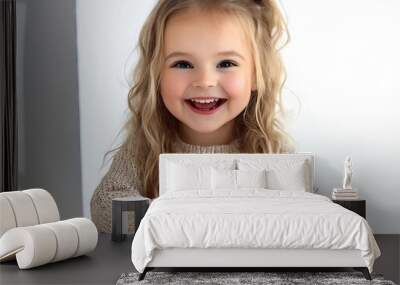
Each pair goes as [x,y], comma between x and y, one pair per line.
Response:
[121,181]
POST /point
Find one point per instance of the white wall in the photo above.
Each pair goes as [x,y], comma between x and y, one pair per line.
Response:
[107,33]
[342,65]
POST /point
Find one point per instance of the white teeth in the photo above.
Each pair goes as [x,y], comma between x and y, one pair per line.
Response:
[205,100]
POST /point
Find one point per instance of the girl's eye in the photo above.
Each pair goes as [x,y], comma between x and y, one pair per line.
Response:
[184,64]
[227,63]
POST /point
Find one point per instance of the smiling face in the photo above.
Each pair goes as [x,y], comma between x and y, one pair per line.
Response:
[206,55]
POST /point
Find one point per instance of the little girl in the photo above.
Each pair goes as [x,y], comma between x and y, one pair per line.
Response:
[208,80]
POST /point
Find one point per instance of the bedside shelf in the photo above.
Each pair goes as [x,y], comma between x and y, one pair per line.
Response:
[357,206]
[120,209]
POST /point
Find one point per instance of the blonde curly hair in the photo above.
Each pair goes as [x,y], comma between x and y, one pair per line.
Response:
[152,129]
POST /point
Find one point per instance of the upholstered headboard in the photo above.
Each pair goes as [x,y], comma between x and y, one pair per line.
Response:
[237,161]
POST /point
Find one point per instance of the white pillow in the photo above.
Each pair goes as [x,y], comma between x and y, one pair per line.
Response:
[252,178]
[201,159]
[282,174]
[287,179]
[236,179]
[223,179]
[188,177]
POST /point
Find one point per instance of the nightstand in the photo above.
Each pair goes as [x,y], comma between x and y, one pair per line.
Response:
[120,209]
[357,206]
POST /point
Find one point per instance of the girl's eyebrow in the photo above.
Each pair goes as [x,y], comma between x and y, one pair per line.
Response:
[226,53]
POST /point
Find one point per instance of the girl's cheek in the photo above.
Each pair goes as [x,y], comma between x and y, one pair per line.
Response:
[235,86]
[173,85]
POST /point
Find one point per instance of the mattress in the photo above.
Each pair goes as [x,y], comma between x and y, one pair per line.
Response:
[253,218]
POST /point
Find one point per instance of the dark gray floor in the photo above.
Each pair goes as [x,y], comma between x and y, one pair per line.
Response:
[111,259]
[102,266]
[389,262]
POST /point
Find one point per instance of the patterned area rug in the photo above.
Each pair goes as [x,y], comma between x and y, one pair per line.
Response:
[270,278]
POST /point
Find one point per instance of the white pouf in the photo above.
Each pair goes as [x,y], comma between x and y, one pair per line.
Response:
[32,233]
[40,244]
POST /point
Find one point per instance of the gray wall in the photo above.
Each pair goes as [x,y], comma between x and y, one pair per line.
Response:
[48,101]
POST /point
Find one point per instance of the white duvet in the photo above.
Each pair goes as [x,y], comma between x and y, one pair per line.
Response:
[250,218]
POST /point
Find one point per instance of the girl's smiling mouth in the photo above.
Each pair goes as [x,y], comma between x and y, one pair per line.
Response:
[205,106]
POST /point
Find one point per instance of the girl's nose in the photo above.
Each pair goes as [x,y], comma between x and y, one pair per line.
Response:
[205,78]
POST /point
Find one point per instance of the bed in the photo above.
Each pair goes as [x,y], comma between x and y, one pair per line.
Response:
[243,211]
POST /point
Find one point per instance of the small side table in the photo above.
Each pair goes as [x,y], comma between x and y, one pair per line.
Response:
[357,206]
[120,209]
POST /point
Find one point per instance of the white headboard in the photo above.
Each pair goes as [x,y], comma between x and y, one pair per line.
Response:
[210,158]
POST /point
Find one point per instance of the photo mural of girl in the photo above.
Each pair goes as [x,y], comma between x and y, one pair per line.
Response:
[208,80]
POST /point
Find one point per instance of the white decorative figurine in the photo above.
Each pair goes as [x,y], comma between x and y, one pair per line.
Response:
[347,173]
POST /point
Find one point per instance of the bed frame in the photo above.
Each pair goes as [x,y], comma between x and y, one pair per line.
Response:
[236,259]
[249,259]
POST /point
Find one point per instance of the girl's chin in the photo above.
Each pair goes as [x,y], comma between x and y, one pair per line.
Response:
[196,128]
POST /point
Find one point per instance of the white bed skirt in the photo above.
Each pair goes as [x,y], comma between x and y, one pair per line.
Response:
[253,257]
